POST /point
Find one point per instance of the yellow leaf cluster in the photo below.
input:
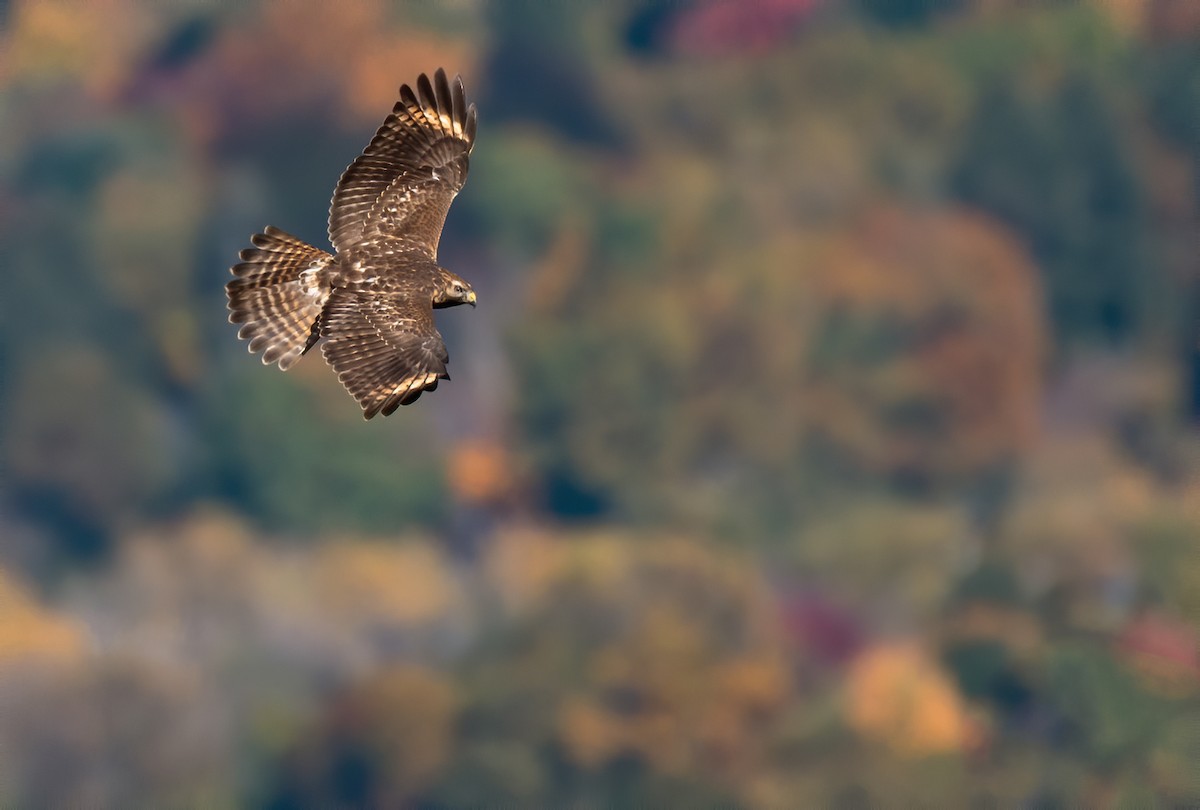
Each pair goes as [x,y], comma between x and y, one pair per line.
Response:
[681,667]
[398,583]
[677,712]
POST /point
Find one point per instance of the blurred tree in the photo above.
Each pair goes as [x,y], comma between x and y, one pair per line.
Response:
[1171,76]
[545,47]
[917,361]
[927,356]
[1114,722]
[622,668]
[85,470]
[53,41]
[1054,165]
[143,241]
[298,459]
[894,560]
[379,745]
[522,189]
[248,78]
[991,641]
[1069,534]
[1165,543]
[114,733]
[1163,652]
[908,13]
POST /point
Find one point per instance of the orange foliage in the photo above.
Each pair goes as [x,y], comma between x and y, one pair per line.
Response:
[592,735]
[1127,16]
[29,634]
[965,300]
[284,61]
[895,694]
[480,472]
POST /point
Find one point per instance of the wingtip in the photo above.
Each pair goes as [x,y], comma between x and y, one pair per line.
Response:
[408,96]
[425,92]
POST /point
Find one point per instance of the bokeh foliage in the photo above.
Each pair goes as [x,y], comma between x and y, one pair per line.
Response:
[826,434]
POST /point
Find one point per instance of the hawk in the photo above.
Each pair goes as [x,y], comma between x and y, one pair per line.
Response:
[372,299]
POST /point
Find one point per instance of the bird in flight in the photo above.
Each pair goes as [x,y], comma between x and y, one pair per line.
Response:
[372,300]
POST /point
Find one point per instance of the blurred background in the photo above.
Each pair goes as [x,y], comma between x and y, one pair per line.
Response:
[828,433]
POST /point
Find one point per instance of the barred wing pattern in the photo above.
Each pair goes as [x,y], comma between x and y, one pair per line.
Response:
[371,301]
[384,348]
[402,185]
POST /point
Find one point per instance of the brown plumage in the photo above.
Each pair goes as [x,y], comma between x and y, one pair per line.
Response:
[371,301]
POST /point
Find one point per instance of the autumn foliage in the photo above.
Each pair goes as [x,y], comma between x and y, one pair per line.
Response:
[825,436]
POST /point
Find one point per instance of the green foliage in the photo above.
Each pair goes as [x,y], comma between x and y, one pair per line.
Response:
[87,444]
[1107,715]
[1055,169]
[907,13]
[1172,79]
[272,454]
[1166,547]
[521,189]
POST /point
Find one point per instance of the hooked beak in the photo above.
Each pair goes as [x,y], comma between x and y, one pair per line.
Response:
[471,298]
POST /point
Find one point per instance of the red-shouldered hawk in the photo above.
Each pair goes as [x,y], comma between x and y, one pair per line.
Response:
[372,300]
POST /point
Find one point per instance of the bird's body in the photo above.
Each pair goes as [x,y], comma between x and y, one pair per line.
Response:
[372,300]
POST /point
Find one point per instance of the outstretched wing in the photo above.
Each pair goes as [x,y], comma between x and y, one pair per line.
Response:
[404,181]
[384,348]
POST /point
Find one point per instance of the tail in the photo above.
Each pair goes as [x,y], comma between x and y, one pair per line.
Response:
[278,295]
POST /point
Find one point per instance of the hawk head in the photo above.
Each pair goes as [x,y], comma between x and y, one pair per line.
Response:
[452,291]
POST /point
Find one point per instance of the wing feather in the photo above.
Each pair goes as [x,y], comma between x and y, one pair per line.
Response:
[402,185]
[384,348]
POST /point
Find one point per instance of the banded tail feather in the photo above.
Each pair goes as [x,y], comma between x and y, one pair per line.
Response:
[278,295]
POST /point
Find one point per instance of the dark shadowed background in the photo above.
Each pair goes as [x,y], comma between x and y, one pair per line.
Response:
[827,433]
